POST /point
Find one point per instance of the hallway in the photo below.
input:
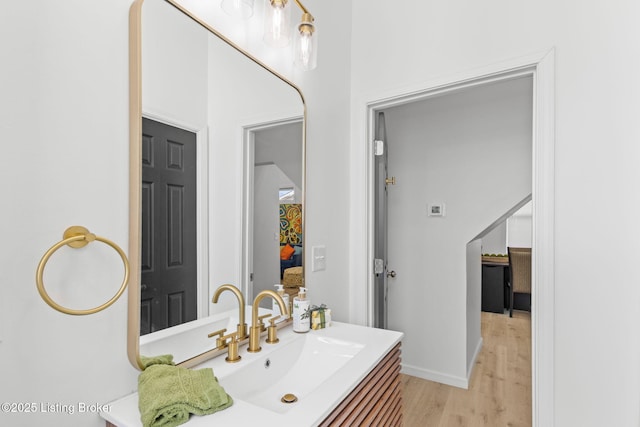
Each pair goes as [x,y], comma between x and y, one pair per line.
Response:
[499,392]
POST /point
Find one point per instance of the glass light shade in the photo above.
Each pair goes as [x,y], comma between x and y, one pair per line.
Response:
[277,23]
[242,9]
[305,50]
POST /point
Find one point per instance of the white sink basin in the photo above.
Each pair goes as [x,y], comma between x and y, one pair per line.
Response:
[296,367]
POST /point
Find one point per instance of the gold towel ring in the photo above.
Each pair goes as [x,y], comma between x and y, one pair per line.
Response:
[78,237]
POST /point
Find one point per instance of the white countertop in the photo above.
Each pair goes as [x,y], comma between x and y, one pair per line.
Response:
[308,411]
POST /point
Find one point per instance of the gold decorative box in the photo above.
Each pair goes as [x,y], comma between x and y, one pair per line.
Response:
[320,318]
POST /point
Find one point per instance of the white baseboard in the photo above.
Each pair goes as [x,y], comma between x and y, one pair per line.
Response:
[472,362]
[452,380]
[438,377]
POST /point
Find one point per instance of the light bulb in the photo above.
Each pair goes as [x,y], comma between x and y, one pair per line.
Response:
[242,9]
[277,23]
[306,47]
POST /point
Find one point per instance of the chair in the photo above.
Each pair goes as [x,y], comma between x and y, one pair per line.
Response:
[519,275]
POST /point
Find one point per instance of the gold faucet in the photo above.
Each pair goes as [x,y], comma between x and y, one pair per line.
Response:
[242,326]
[220,341]
[256,323]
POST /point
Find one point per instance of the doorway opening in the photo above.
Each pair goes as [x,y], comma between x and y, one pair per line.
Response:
[273,200]
[540,68]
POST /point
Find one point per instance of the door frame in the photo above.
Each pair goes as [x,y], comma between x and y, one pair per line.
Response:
[381,281]
[248,156]
[541,67]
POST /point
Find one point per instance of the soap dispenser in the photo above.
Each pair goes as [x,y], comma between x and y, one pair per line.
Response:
[301,315]
[276,308]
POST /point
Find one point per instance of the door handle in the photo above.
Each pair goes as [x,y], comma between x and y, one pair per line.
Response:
[391,274]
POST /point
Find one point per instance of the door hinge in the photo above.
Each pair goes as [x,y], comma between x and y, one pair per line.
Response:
[378,147]
[378,266]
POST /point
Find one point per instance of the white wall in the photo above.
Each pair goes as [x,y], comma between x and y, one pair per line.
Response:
[474,303]
[328,200]
[446,150]
[64,117]
[282,145]
[519,227]
[495,242]
[174,67]
[514,232]
[597,347]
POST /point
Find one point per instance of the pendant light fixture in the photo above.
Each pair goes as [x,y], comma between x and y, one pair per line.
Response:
[277,27]
[305,53]
[242,9]
[277,23]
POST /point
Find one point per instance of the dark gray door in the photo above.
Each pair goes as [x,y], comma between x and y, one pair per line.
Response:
[380,232]
[169,251]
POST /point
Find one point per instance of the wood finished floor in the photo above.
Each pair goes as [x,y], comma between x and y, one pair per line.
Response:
[499,391]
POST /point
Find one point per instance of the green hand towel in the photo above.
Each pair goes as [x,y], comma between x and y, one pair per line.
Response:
[168,394]
[165,359]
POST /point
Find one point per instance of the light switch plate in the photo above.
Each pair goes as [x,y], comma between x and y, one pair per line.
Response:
[318,258]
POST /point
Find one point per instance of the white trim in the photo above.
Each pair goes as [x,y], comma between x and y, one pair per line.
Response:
[541,67]
[248,156]
[472,362]
[269,121]
[161,117]
[202,222]
[440,377]
[543,240]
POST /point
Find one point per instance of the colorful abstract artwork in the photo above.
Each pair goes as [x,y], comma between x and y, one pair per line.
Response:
[291,224]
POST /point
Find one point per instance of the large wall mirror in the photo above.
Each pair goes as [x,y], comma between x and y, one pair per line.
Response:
[217,178]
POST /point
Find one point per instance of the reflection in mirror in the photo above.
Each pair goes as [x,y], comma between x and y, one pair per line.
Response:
[200,111]
[277,208]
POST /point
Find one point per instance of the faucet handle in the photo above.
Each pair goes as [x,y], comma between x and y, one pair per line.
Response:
[261,323]
[221,341]
[232,355]
[272,321]
[272,338]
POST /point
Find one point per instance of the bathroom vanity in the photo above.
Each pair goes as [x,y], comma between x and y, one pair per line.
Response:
[341,375]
